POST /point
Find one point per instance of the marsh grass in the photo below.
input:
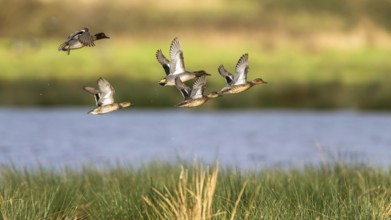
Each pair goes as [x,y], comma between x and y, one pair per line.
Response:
[188,200]
[193,198]
[183,191]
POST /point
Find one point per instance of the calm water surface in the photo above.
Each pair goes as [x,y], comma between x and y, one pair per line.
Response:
[246,139]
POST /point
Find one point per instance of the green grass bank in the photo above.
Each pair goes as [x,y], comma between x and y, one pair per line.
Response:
[39,75]
[174,191]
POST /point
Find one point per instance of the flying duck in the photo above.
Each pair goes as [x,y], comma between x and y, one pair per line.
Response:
[81,39]
[175,67]
[195,96]
[104,98]
[238,83]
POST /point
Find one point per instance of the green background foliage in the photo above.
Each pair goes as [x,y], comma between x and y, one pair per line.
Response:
[314,54]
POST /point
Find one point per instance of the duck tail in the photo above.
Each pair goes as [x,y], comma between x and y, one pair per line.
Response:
[181,104]
[64,47]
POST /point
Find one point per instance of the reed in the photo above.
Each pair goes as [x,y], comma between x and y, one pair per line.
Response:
[189,200]
[192,198]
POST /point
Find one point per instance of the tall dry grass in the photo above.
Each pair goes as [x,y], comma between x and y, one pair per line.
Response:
[192,198]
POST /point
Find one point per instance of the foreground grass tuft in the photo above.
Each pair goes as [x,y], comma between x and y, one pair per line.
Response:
[189,200]
[183,191]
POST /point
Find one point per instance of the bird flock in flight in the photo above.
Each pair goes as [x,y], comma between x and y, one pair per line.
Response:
[175,71]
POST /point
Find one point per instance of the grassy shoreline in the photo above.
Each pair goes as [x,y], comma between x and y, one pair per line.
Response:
[293,95]
[298,78]
[334,191]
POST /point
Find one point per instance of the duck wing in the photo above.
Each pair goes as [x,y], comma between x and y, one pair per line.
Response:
[241,70]
[93,92]
[71,37]
[183,88]
[198,87]
[227,75]
[107,92]
[86,38]
[163,61]
[177,65]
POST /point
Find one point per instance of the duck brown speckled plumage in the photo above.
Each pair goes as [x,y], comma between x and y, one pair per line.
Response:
[104,98]
[195,96]
[175,67]
[238,83]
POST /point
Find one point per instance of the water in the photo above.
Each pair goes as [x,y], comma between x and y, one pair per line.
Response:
[245,139]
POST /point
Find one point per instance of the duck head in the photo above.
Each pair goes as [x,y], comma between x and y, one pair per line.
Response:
[258,81]
[101,36]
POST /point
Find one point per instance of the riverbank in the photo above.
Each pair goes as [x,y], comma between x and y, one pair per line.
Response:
[156,190]
[297,78]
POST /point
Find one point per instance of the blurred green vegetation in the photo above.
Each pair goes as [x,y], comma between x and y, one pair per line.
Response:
[314,54]
[54,18]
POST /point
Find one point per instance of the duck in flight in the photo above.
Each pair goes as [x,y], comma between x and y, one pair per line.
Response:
[175,67]
[238,83]
[104,98]
[194,96]
[81,39]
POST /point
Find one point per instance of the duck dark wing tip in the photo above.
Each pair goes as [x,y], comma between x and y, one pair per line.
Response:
[166,69]
[90,90]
